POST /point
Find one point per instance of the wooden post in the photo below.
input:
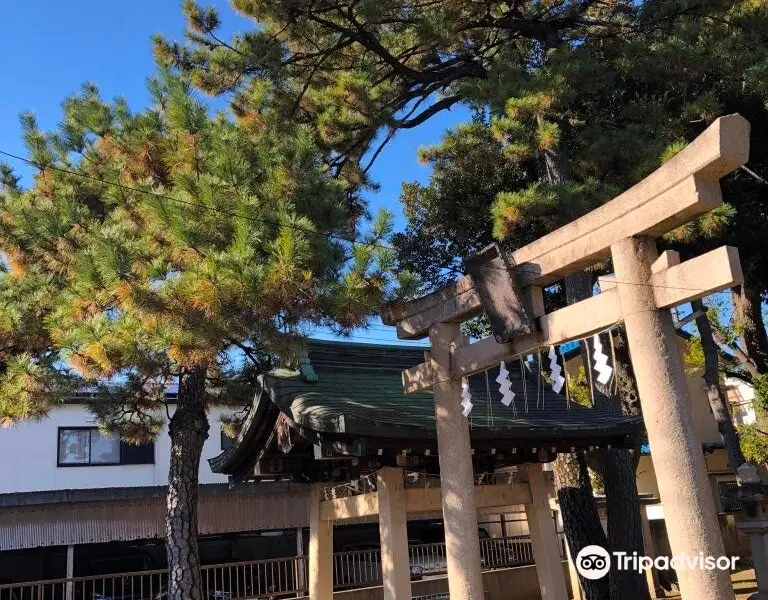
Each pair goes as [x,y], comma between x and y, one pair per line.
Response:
[675,448]
[573,576]
[546,547]
[301,571]
[650,575]
[395,563]
[503,520]
[320,549]
[70,572]
[462,543]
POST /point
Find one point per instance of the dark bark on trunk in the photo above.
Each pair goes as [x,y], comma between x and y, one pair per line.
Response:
[749,316]
[625,526]
[188,430]
[617,467]
[625,529]
[580,518]
[717,400]
[556,161]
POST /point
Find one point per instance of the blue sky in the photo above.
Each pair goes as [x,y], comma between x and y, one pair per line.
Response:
[50,48]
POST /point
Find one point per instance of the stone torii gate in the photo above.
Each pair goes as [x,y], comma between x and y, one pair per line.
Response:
[640,294]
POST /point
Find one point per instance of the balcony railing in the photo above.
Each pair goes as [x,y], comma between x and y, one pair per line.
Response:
[266,579]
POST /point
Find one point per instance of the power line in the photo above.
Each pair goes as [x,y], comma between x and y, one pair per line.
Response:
[262,219]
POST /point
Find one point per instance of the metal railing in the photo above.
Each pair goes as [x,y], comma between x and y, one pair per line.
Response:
[266,579]
[361,568]
[260,579]
[729,500]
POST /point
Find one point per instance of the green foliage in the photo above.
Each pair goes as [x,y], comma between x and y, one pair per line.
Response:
[531,212]
[356,68]
[754,444]
[693,356]
[598,483]
[761,395]
[447,219]
[570,92]
[166,240]
[230,426]
[579,388]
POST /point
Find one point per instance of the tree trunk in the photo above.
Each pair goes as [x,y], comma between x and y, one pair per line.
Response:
[717,400]
[580,518]
[625,528]
[749,318]
[625,531]
[188,430]
[556,160]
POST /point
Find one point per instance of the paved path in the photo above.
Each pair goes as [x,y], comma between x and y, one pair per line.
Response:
[744,584]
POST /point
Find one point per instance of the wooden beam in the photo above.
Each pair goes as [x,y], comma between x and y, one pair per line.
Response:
[712,272]
[678,191]
[491,496]
[423,500]
[351,507]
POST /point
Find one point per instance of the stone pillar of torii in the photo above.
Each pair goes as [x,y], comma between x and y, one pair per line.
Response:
[645,287]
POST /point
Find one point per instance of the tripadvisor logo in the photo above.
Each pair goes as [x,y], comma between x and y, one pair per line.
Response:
[594,562]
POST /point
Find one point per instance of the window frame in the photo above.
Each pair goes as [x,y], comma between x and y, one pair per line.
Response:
[120,443]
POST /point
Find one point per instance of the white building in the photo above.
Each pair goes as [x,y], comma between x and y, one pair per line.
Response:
[741,396]
[65,451]
[65,488]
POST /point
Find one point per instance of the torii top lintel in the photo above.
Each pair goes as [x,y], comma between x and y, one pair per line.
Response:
[676,193]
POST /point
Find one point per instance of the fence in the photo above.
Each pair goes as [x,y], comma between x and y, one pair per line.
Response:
[729,497]
[363,567]
[266,579]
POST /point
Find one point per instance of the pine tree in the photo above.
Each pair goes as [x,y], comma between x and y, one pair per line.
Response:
[169,246]
[595,95]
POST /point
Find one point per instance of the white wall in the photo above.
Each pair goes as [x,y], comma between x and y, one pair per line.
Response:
[744,411]
[29,456]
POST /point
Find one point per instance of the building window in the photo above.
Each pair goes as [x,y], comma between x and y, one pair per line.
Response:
[79,446]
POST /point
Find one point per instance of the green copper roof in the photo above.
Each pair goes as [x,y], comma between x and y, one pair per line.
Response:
[358,390]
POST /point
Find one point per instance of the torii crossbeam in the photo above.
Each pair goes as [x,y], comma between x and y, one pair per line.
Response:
[645,286]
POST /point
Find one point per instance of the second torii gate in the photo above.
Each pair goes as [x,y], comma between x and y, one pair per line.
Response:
[641,293]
